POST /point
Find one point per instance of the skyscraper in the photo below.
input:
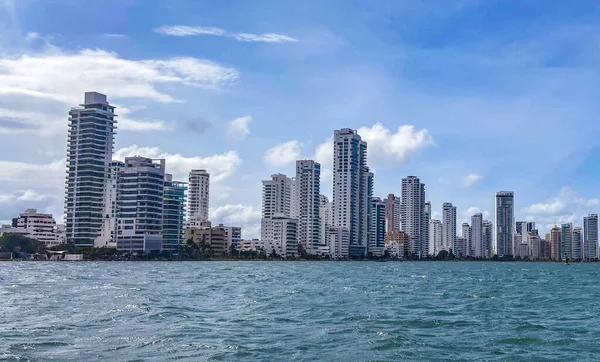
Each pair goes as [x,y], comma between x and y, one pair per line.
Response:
[477,235]
[427,216]
[488,238]
[577,243]
[326,216]
[277,196]
[504,223]
[350,187]
[556,243]
[435,237]
[140,198]
[566,238]
[308,183]
[89,152]
[448,226]
[412,215]
[199,191]
[590,237]
[377,227]
[173,213]
[392,213]
[468,236]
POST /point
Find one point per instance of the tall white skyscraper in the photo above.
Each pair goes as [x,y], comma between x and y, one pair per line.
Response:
[89,152]
[108,235]
[198,191]
[307,185]
[412,215]
[277,196]
[477,235]
[140,200]
[279,231]
[377,227]
[435,237]
[448,226]
[504,223]
[350,188]
[590,237]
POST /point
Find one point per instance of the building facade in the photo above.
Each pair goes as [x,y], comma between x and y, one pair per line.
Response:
[38,226]
[487,238]
[173,214]
[477,235]
[392,213]
[566,240]
[556,242]
[412,215]
[590,237]
[467,234]
[279,236]
[199,195]
[448,227]
[578,243]
[307,193]
[140,201]
[377,227]
[89,152]
[435,237]
[350,188]
[504,223]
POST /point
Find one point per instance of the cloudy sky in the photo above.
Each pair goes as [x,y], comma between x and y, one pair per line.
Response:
[472,96]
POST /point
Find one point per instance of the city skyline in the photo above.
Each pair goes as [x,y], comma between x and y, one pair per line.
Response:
[202,95]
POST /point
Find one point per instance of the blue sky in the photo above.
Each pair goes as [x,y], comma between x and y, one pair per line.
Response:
[471,96]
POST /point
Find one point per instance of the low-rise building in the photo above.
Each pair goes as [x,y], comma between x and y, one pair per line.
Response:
[213,239]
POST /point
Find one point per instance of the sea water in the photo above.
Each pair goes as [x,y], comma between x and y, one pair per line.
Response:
[280,311]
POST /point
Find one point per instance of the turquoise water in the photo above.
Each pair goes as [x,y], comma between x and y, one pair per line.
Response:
[275,311]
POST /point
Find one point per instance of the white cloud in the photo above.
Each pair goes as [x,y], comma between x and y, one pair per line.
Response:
[62,77]
[239,127]
[567,206]
[183,30]
[471,179]
[400,145]
[130,124]
[245,216]
[220,166]
[283,154]
[31,195]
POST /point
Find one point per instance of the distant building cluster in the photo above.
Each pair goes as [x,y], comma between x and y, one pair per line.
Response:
[133,205]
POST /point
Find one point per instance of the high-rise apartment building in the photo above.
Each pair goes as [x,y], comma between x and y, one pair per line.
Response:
[199,195]
[89,152]
[578,243]
[427,216]
[307,190]
[277,196]
[140,201]
[108,234]
[566,238]
[488,238]
[448,226]
[377,227]
[173,213]
[590,237]
[467,234]
[326,216]
[435,237]
[279,231]
[412,215]
[392,213]
[556,243]
[504,223]
[477,236]
[350,187]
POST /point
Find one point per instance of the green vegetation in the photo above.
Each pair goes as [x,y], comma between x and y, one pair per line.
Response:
[15,243]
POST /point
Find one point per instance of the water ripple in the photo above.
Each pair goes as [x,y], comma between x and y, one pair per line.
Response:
[265,311]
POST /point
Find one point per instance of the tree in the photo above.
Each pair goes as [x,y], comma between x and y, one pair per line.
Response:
[14,242]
